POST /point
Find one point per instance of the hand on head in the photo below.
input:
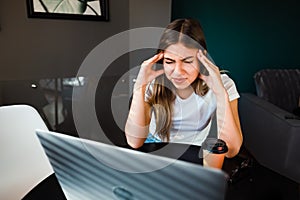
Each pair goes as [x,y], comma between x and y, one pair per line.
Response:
[213,80]
[147,73]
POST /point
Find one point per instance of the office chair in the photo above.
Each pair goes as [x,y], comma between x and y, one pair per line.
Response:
[23,161]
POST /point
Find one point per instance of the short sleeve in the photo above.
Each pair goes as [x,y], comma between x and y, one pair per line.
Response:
[230,87]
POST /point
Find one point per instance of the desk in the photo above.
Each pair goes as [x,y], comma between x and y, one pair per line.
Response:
[51,189]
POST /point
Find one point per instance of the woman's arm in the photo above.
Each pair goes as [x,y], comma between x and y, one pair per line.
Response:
[137,125]
[228,121]
[229,128]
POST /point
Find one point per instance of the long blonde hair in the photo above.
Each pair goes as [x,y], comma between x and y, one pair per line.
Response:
[189,33]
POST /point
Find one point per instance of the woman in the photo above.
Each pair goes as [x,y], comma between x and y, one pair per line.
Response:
[177,102]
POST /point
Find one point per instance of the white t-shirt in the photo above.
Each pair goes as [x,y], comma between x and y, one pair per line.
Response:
[191,117]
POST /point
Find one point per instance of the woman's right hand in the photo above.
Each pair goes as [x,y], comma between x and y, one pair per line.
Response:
[147,73]
[137,124]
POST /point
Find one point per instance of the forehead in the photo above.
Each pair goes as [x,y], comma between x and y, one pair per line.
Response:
[180,51]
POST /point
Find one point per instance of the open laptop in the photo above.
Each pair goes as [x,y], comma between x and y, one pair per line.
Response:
[91,170]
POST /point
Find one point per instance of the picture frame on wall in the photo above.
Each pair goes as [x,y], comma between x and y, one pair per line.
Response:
[68,9]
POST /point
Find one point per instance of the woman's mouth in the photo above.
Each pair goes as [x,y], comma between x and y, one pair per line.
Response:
[178,80]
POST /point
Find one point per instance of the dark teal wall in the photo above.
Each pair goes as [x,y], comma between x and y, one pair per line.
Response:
[245,36]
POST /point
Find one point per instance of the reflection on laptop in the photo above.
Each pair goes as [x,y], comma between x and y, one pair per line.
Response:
[88,170]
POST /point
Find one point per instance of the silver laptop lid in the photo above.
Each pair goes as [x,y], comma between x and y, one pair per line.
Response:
[91,170]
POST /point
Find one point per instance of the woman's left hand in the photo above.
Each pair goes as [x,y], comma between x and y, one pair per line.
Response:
[213,80]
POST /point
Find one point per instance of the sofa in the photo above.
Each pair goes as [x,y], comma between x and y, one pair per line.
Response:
[269,121]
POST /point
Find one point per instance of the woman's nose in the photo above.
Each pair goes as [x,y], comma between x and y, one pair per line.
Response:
[178,68]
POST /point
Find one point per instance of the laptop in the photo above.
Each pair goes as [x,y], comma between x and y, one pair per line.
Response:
[91,170]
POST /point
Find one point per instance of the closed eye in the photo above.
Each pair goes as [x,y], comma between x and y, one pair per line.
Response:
[188,60]
[169,61]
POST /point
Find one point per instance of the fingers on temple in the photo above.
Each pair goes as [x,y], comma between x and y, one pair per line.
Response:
[202,58]
[154,59]
[205,61]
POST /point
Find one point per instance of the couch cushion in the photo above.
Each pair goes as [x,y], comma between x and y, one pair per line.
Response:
[279,86]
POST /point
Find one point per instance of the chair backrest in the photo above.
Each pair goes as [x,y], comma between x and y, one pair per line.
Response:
[280,87]
[23,163]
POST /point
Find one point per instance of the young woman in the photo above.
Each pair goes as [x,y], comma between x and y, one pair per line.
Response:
[177,102]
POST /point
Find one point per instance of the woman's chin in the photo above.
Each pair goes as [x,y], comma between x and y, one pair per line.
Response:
[181,86]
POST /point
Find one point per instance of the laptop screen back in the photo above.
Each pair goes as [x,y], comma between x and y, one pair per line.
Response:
[91,170]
